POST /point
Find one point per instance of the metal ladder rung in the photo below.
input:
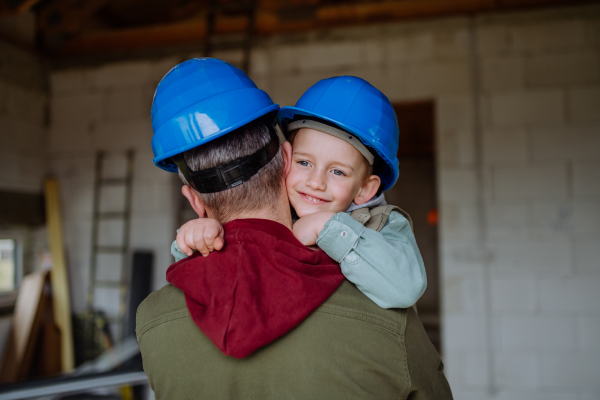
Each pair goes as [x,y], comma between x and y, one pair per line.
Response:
[111,249]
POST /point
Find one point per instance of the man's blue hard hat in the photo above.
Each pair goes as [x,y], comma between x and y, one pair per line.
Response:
[356,106]
[198,101]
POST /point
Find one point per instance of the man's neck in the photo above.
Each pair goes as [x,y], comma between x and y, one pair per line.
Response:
[279,213]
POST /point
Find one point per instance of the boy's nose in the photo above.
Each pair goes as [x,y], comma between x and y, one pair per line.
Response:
[315,181]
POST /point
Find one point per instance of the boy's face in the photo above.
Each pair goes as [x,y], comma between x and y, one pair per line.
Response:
[326,173]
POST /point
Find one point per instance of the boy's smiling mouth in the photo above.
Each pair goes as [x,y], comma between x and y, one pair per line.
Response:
[312,199]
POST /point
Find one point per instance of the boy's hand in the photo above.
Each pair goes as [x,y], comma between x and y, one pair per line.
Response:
[307,228]
[202,234]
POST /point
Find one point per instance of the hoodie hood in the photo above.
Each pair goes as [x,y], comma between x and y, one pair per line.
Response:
[261,285]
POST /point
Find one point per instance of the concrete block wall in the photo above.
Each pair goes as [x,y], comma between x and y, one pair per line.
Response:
[23,104]
[521,309]
[107,108]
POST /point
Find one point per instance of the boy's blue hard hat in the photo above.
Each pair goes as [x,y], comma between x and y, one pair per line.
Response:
[198,101]
[356,106]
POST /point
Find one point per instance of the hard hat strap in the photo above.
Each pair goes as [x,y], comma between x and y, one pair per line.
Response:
[232,173]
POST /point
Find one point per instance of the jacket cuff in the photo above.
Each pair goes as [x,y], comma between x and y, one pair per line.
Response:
[339,236]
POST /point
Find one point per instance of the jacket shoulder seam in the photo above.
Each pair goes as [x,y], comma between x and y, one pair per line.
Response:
[161,320]
[361,316]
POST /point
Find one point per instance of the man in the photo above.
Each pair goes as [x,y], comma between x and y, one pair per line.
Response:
[264,317]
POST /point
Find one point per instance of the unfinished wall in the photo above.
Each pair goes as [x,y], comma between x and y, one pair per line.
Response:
[108,108]
[23,101]
[518,150]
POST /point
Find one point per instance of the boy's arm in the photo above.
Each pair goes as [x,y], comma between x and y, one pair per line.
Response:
[386,266]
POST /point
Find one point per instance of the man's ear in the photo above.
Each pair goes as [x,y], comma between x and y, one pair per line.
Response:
[287,157]
[194,200]
[368,189]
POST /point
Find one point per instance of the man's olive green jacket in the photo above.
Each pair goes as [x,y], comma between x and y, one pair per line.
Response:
[348,349]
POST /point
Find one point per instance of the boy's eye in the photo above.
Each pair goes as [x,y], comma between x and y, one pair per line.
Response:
[304,163]
[338,172]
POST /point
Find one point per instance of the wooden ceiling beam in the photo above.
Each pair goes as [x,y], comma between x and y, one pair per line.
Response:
[22,7]
[268,22]
[68,16]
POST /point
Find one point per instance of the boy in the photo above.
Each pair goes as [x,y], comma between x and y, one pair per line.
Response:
[344,138]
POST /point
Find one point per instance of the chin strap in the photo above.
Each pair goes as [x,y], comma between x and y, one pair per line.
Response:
[231,174]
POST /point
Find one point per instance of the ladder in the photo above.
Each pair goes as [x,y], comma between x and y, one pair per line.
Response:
[246,8]
[99,217]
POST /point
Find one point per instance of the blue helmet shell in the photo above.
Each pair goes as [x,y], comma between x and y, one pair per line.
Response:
[198,101]
[358,107]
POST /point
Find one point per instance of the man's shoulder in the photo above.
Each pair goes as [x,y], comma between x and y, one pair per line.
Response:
[349,302]
[160,306]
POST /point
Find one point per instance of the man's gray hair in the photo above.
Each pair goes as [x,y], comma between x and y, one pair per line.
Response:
[260,192]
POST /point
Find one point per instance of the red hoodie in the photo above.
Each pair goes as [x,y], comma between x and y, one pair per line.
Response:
[259,287]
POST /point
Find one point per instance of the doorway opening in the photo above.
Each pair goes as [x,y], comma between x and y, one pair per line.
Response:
[415,192]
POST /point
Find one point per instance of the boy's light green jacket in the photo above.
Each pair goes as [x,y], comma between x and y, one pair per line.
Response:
[348,349]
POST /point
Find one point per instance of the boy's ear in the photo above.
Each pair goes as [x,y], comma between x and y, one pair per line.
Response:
[194,200]
[287,157]
[368,190]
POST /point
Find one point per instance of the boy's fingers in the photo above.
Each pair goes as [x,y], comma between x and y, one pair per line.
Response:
[219,243]
[180,238]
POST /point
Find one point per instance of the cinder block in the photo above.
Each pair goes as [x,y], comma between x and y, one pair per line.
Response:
[559,34]
[586,217]
[494,39]
[284,58]
[72,81]
[584,104]
[551,219]
[416,47]
[259,62]
[459,222]
[234,57]
[454,112]
[589,331]
[562,69]
[587,254]
[591,394]
[464,332]
[505,146]
[533,256]
[432,78]
[570,294]
[530,182]
[585,180]
[123,75]
[569,369]
[452,44]
[457,184]
[154,197]
[476,368]
[329,55]
[123,135]
[572,143]
[516,293]
[126,105]
[18,134]
[528,107]
[508,221]
[517,370]
[538,332]
[152,231]
[70,137]
[76,197]
[503,74]
[392,81]
[107,300]
[537,394]
[373,52]
[81,109]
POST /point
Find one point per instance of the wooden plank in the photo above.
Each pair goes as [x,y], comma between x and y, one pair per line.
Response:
[60,281]
[18,351]
[22,7]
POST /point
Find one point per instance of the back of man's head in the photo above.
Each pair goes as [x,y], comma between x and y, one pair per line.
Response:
[262,191]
